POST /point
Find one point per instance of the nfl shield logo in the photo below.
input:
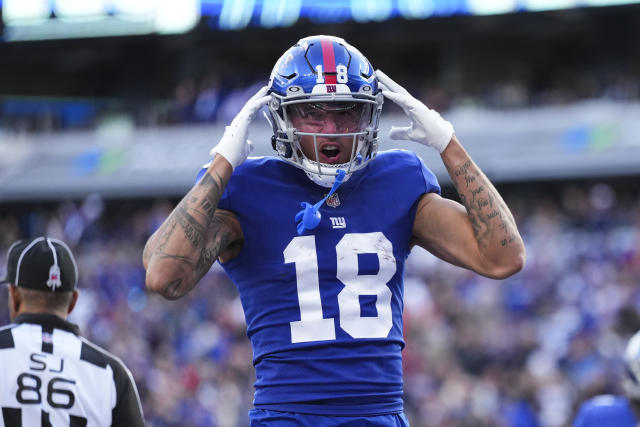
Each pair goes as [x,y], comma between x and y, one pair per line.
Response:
[333,200]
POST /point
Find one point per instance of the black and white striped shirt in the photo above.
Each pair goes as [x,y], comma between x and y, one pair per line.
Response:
[51,376]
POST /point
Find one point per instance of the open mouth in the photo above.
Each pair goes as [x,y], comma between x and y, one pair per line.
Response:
[330,153]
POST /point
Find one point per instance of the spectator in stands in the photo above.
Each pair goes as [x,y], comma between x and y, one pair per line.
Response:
[616,411]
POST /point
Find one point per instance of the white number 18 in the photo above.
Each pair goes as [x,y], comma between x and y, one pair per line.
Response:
[342,75]
[312,326]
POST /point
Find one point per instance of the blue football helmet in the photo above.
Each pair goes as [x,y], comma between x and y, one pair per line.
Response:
[325,73]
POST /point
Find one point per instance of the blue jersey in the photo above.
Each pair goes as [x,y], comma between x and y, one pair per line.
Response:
[324,309]
[605,411]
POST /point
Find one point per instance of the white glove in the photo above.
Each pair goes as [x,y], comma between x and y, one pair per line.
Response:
[234,145]
[427,127]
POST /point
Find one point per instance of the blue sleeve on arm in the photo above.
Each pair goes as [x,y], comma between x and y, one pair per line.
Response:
[430,180]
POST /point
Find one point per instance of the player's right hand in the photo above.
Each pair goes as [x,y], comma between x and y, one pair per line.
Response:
[234,145]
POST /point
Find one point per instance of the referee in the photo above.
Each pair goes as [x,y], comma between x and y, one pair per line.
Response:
[49,374]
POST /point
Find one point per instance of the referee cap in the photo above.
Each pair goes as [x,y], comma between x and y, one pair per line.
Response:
[43,264]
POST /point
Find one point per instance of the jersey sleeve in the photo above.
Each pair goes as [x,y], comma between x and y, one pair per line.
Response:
[430,181]
[128,411]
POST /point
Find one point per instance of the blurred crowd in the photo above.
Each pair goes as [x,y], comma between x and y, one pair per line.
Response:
[216,97]
[522,352]
[197,99]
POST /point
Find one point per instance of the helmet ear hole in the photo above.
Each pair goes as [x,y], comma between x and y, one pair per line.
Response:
[284,149]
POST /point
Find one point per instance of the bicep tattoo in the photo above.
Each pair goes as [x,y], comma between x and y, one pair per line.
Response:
[488,213]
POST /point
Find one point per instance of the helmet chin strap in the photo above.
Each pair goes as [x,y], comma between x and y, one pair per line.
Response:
[309,217]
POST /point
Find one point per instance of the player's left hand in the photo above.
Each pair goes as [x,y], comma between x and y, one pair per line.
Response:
[427,126]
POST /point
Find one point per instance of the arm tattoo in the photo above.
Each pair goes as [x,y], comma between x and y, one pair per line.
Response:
[171,291]
[207,230]
[221,235]
[201,202]
[489,215]
[159,239]
[193,230]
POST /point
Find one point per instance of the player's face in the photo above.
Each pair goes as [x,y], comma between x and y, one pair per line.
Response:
[328,118]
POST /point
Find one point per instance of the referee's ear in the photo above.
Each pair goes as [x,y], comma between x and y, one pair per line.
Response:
[14,301]
[74,300]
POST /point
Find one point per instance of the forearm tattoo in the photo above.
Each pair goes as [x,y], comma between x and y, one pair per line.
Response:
[172,290]
[491,220]
[197,222]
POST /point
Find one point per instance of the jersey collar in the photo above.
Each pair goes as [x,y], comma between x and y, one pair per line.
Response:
[46,319]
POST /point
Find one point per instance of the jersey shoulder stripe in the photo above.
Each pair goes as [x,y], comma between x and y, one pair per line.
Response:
[93,355]
[98,356]
[6,338]
[12,417]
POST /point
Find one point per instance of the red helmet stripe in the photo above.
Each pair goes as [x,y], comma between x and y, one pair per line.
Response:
[329,59]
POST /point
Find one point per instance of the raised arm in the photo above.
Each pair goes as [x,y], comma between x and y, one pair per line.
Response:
[197,233]
[480,234]
[185,246]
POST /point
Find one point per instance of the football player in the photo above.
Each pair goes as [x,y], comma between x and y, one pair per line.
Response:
[315,238]
[616,411]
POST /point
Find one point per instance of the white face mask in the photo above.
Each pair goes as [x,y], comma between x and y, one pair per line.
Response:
[360,113]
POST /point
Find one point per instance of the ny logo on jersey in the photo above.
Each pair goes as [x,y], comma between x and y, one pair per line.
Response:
[338,222]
